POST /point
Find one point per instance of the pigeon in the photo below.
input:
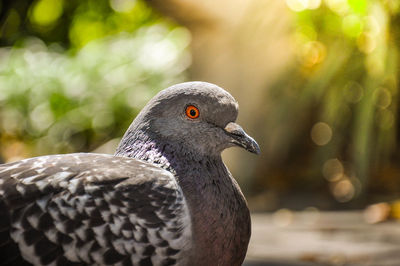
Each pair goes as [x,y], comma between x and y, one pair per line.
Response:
[164,198]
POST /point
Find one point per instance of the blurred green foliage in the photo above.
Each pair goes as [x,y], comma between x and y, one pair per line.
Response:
[72,23]
[346,81]
[75,90]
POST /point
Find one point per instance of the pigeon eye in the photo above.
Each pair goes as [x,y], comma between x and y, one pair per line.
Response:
[192,112]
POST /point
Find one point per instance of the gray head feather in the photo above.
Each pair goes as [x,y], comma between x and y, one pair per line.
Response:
[164,119]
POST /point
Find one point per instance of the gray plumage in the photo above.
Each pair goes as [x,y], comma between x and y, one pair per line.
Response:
[164,198]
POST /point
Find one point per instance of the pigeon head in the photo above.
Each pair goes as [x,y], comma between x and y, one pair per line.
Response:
[197,116]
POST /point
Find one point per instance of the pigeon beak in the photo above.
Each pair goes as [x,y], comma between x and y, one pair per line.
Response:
[240,138]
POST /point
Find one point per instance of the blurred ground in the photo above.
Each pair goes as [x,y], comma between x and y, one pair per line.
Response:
[322,238]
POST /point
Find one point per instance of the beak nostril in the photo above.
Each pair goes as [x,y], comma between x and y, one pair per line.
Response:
[237,133]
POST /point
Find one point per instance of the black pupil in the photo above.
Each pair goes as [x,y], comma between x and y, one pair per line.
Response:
[193,112]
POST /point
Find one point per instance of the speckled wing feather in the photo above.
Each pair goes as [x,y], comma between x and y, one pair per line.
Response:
[91,209]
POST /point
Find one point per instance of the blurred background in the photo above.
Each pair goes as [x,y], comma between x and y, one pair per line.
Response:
[317,83]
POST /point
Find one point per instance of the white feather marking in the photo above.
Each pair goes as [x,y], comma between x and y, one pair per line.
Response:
[108,196]
[116,226]
[89,188]
[17,235]
[79,206]
[89,210]
[139,249]
[38,164]
[118,244]
[28,253]
[137,234]
[100,230]
[33,220]
[70,251]
[113,209]
[40,170]
[156,259]
[55,214]
[42,202]
[16,175]
[98,201]
[101,241]
[71,213]
[80,232]
[128,244]
[51,235]
[83,252]
[73,185]
[63,184]
[106,215]
[62,175]
[153,238]
[41,184]
[10,167]
[61,227]
[21,189]
[135,259]
[127,233]
[98,256]
[29,180]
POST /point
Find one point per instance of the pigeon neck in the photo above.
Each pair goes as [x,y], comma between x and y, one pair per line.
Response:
[170,156]
[143,147]
[220,217]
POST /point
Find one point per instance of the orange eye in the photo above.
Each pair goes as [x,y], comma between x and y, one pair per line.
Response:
[192,112]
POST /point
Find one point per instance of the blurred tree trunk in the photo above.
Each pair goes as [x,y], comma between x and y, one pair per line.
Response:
[243,46]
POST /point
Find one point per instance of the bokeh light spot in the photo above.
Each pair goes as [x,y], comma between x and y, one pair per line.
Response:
[313,53]
[283,217]
[383,98]
[385,119]
[353,92]
[84,30]
[352,25]
[300,5]
[122,5]
[41,117]
[343,191]
[297,5]
[321,133]
[333,170]
[376,213]
[46,12]
[340,7]
[366,43]
[371,26]
[313,4]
